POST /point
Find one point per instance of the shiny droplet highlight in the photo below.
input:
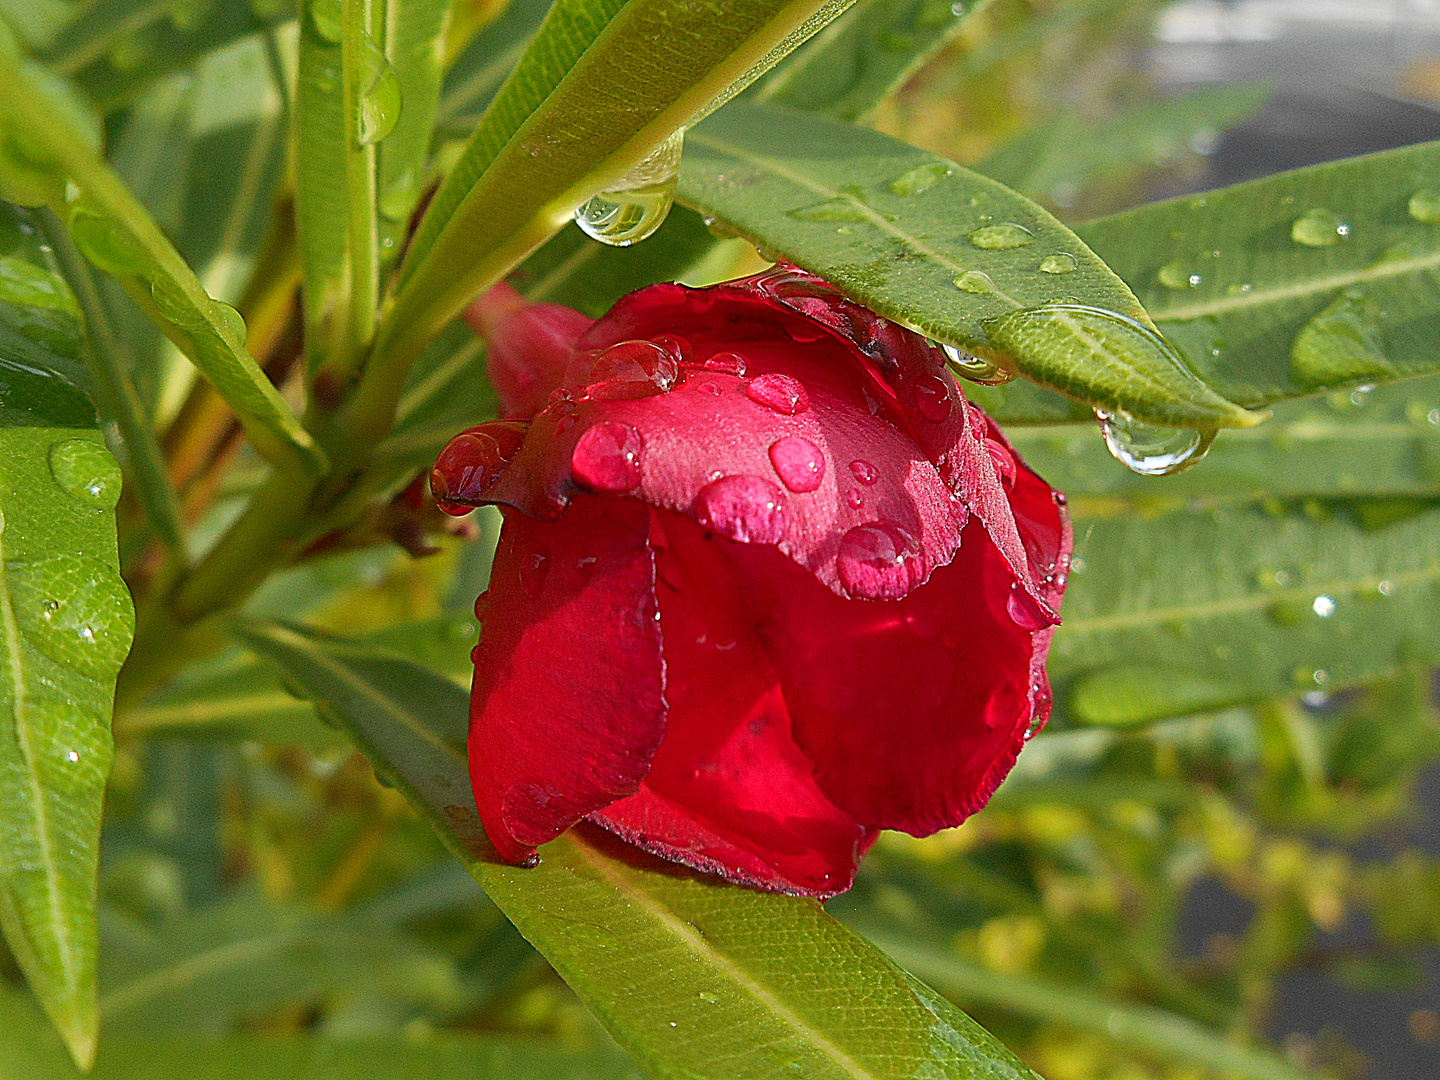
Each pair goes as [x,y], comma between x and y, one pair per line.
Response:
[86,471]
[1319,228]
[1149,449]
[635,207]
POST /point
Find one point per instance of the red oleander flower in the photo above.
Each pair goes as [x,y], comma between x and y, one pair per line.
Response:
[766,584]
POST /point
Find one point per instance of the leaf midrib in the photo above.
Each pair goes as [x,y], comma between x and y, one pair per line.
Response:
[187,971]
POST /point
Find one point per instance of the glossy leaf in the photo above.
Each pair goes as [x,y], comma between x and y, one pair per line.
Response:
[1196,610]
[945,251]
[695,978]
[116,234]
[66,623]
[1308,280]
[600,87]
[1150,1031]
[478,72]
[862,57]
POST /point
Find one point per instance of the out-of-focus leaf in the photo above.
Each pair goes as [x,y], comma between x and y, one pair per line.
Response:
[478,71]
[945,251]
[695,978]
[1308,280]
[1150,1031]
[115,233]
[1056,159]
[116,48]
[1244,604]
[1384,443]
[66,623]
[862,57]
[601,86]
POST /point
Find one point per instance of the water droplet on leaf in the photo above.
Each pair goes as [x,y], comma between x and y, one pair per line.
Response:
[76,611]
[87,471]
[1176,275]
[1340,344]
[798,462]
[1424,206]
[744,508]
[1318,228]
[377,102]
[921,178]
[1149,449]
[174,304]
[975,281]
[105,243]
[328,19]
[837,209]
[1057,264]
[1001,237]
[635,207]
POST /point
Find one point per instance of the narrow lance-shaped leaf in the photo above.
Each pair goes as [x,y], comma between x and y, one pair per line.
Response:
[1308,280]
[602,85]
[848,69]
[1198,610]
[48,162]
[694,977]
[66,623]
[479,71]
[943,250]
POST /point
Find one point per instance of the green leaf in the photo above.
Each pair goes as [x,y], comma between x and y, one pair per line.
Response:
[1307,280]
[117,48]
[478,72]
[945,251]
[1149,1031]
[66,622]
[601,86]
[848,69]
[415,43]
[694,977]
[1383,443]
[47,161]
[1243,604]
[30,1055]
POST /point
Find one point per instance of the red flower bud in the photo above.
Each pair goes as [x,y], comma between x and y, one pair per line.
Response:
[767,583]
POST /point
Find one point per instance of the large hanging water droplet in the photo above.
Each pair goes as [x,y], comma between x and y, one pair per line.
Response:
[328,19]
[975,368]
[377,100]
[86,471]
[921,178]
[472,463]
[607,458]
[975,281]
[106,243]
[798,462]
[744,508]
[1027,612]
[1001,237]
[1341,344]
[75,610]
[1061,263]
[1319,228]
[879,561]
[635,207]
[1149,449]
[1424,206]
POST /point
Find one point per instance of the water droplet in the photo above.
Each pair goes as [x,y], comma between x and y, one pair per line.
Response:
[1340,344]
[534,569]
[229,318]
[932,398]
[328,19]
[472,463]
[975,368]
[727,363]
[631,370]
[1386,588]
[636,206]
[1323,606]
[86,470]
[708,998]
[865,472]
[174,304]
[1058,264]
[1004,462]
[744,508]
[1027,612]
[879,561]
[1318,228]
[377,99]
[607,458]
[975,281]
[1433,417]
[855,499]
[798,462]
[1149,449]
[1176,275]
[106,244]
[75,610]
[1424,206]
[840,208]
[782,393]
[72,756]
[1001,237]
[921,178]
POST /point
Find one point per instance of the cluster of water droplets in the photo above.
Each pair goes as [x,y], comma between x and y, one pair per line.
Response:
[637,205]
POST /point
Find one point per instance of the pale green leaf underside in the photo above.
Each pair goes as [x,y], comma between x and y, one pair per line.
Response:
[65,627]
[601,85]
[695,978]
[943,250]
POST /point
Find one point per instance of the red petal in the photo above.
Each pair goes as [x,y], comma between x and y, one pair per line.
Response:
[568,703]
[912,710]
[729,791]
[529,346]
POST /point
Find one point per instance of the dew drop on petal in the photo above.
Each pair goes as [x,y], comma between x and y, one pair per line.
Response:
[879,561]
[856,499]
[744,508]
[1004,462]
[1027,612]
[798,462]
[783,393]
[632,370]
[725,363]
[472,464]
[607,458]
[534,569]
[932,398]
[864,471]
